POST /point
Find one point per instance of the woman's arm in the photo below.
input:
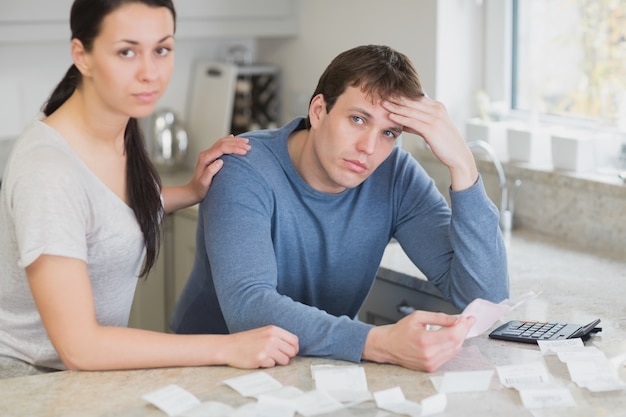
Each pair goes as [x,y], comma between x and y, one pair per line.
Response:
[62,292]
[207,166]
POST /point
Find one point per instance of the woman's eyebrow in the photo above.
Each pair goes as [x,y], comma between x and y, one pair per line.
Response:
[134,42]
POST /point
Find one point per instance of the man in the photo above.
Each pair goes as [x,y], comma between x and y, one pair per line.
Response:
[292,233]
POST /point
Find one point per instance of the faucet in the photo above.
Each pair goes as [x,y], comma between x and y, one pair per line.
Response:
[506,202]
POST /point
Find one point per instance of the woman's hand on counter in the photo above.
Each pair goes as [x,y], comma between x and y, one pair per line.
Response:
[207,166]
[264,347]
[69,317]
[413,344]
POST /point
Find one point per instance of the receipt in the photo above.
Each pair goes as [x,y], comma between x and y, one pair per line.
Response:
[487,313]
[393,400]
[172,400]
[253,384]
[346,384]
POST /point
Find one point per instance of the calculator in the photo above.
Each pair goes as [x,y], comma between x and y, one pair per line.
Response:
[531,331]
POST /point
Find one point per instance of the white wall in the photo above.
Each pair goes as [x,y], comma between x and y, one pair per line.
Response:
[459,65]
[443,38]
[29,72]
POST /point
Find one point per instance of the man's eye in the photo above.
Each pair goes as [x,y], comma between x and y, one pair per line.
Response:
[357,119]
[390,134]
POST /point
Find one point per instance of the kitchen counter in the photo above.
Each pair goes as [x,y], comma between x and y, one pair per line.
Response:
[578,286]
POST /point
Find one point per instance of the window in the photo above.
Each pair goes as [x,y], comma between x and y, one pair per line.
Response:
[561,63]
[569,60]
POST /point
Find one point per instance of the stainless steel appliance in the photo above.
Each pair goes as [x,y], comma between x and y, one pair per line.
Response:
[166,140]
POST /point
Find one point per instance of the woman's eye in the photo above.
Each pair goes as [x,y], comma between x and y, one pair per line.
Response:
[127,53]
[163,51]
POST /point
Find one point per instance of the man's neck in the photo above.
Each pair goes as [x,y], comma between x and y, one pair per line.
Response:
[296,146]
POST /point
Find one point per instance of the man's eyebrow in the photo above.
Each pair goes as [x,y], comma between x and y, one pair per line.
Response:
[397,130]
[362,111]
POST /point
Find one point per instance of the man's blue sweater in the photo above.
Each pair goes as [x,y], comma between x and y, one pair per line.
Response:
[273,250]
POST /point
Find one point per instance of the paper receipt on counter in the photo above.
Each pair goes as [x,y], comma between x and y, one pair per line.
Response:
[487,313]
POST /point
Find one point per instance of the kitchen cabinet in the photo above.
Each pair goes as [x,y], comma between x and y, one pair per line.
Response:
[185,222]
[156,295]
[43,20]
[149,305]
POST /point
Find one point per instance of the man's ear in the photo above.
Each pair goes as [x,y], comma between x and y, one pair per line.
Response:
[317,109]
[80,57]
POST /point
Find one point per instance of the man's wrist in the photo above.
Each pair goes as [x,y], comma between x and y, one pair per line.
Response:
[373,350]
[462,179]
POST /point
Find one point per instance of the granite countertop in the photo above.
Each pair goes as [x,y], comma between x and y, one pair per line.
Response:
[577,286]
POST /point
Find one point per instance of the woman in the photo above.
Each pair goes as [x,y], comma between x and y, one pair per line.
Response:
[81,205]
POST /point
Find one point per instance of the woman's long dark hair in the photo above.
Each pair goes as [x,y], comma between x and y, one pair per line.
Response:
[142,180]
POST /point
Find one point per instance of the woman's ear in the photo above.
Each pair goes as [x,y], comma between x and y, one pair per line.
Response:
[317,109]
[80,57]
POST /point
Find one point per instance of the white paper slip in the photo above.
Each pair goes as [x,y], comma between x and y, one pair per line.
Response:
[466,381]
[595,374]
[546,395]
[434,404]
[287,392]
[514,376]
[269,406]
[346,384]
[618,360]
[172,400]
[253,384]
[604,385]
[487,313]
[316,402]
[552,347]
[209,408]
[581,354]
[393,400]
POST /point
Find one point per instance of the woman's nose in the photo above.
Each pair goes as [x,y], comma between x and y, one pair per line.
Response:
[148,68]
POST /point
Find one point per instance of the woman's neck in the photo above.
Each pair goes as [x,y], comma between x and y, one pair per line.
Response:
[88,121]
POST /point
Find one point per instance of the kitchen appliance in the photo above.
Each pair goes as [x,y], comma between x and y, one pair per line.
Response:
[226,97]
[168,141]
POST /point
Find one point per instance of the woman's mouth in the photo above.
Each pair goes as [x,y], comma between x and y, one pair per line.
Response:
[147,97]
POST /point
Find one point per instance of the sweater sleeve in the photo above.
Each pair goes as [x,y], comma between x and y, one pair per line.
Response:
[237,217]
[465,256]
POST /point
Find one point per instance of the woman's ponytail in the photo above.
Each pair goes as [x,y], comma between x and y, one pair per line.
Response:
[144,191]
[63,90]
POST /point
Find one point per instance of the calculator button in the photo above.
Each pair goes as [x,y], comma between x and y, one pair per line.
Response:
[512,332]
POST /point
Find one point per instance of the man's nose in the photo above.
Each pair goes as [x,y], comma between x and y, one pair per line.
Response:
[367,142]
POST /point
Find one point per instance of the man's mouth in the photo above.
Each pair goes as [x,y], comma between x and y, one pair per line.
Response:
[356,166]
